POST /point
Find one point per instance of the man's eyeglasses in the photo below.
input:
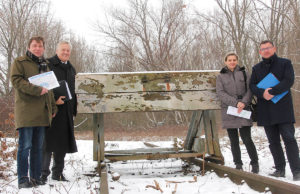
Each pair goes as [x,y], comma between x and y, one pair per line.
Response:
[265,49]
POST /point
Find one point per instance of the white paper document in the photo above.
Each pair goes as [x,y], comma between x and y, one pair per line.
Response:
[234,111]
[47,80]
[68,90]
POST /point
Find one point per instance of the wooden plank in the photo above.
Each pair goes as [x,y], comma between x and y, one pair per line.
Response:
[152,156]
[142,150]
[103,179]
[124,82]
[199,145]
[214,134]
[255,181]
[192,131]
[208,131]
[98,137]
[154,101]
[101,134]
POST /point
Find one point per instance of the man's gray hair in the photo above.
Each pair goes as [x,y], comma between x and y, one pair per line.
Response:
[64,42]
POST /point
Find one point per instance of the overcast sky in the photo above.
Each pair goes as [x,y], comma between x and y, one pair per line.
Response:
[79,15]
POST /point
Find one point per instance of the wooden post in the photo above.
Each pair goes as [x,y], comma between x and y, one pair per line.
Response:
[193,129]
[211,133]
[98,142]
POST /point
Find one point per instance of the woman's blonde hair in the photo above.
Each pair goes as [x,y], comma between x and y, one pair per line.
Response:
[231,54]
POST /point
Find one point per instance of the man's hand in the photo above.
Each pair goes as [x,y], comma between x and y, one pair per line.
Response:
[267,95]
[53,115]
[240,106]
[44,91]
[60,100]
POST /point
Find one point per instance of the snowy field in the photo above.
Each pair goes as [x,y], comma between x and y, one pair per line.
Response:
[139,176]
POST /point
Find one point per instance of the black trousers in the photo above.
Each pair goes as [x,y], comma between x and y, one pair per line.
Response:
[58,163]
[287,132]
[245,133]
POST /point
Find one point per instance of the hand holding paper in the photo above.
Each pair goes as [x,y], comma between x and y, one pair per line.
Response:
[46,80]
[234,111]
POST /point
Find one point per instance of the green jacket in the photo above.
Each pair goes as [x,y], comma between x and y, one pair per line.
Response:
[31,109]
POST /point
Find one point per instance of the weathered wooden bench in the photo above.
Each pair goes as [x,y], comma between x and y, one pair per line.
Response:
[101,93]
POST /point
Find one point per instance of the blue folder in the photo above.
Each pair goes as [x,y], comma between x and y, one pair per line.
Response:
[270,81]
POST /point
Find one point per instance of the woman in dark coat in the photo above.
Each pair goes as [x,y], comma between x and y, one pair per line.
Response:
[59,138]
[231,91]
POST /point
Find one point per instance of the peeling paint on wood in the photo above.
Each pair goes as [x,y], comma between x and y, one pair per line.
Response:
[136,82]
[154,101]
[99,93]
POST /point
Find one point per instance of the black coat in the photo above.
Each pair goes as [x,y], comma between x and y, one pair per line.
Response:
[60,136]
[269,113]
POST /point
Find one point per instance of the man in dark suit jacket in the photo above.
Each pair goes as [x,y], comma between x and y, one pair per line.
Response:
[59,138]
[278,119]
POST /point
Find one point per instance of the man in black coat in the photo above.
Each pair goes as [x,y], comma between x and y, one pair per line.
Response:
[277,118]
[59,138]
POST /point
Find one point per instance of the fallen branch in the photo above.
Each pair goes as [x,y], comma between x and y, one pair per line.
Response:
[195,179]
[175,181]
[173,192]
[156,187]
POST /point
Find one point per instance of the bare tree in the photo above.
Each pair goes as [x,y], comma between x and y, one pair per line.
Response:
[15,16]
[143,39]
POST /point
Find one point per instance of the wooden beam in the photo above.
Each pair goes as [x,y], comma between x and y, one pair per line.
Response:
[151,156]
[144,101]
[103,179]
[98,137]
[193,129]
[132,82]
[141,150]
[255,181]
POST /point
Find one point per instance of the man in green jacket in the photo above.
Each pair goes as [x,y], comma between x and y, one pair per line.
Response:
[34,109]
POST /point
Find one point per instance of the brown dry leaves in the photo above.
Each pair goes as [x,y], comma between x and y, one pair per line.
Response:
[7,156]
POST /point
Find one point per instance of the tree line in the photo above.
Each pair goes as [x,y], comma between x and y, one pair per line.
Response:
[174,35]
[22,19]
[170,35]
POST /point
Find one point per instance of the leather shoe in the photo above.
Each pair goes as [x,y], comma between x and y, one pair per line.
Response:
[60,177]
[26,184]
[37,182]
[44,178]
[278,173]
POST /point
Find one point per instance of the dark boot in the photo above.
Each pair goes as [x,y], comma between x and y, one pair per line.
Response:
[255,168]
[36,182]
[278,173]
[25,184]
[60,177]
[239,167]
[44,178]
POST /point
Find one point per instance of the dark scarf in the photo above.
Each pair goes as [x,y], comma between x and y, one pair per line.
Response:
[41,62]
[270,60]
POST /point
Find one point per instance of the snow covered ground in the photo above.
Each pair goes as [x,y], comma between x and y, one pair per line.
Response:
[137,176]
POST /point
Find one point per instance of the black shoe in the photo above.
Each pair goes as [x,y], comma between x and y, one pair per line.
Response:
[44,178]
[37,182]
[26,184]
[278,173]
[60,177]
[239,167]
[296,177]
[255,168]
